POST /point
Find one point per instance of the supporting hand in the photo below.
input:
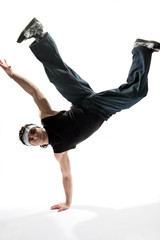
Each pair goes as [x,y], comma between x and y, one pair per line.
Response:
[6,68]
[60,206]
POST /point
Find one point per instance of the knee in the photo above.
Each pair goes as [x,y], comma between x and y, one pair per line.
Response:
[144,92]
[138,95]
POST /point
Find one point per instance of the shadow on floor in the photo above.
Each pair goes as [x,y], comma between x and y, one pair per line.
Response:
[85,223]
[138,223]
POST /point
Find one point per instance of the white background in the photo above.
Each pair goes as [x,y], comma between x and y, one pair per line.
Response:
[118,167]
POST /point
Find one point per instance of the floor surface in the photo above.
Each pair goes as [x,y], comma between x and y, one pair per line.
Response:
[82,222]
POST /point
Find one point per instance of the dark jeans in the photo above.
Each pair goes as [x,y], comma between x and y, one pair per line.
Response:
[78,92]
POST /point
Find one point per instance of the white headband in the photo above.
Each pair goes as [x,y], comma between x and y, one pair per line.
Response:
[25,135]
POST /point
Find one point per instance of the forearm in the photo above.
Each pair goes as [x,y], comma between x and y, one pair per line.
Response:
[63,159]
[68,188]
[40,100]
[28,86]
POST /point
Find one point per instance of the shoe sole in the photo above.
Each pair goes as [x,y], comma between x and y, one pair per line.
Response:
[21,36]
[156,44]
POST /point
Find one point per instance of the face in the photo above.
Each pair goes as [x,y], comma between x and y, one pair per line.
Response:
[37,136]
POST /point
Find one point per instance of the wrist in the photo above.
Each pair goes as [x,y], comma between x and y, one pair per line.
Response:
[68,203]
[11,74]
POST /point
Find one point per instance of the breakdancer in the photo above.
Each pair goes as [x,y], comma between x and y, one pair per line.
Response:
[63,130]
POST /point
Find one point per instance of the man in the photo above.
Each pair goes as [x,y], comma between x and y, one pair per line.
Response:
[65,129]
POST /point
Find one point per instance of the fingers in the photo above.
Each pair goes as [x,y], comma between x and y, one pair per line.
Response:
[57,206]
[3,64]
[62,209]
[6,62]
[54,207]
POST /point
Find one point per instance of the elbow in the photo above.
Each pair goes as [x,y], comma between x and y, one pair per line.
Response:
[67,176]
[33,92]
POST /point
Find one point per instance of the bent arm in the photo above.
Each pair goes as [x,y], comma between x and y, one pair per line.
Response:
[40,100]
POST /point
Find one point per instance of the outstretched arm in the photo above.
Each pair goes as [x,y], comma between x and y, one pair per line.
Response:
[30,88]
[64,162]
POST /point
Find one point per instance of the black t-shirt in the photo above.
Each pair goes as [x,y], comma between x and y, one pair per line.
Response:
[68,128]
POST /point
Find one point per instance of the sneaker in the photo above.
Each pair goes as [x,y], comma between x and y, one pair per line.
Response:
[149,44]
[33,29]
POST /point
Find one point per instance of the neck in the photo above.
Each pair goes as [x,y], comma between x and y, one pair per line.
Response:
[46,139]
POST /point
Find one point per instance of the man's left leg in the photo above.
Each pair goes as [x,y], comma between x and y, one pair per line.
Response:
[112,101]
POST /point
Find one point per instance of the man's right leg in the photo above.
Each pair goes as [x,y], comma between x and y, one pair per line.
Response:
[67,82]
